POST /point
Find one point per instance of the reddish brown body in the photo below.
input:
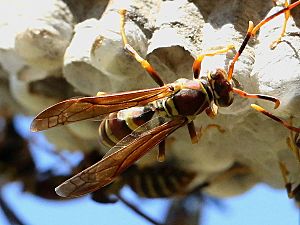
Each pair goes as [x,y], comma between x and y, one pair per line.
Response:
[176,104]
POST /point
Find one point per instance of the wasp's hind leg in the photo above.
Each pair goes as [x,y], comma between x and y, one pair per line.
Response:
[144,63]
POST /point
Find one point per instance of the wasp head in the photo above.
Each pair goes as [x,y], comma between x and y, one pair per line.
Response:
[221,88]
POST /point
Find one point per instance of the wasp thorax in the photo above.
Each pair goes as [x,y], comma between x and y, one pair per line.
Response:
[191,98]
[221,87]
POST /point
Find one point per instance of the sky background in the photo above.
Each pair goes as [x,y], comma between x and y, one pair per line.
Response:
[261,205]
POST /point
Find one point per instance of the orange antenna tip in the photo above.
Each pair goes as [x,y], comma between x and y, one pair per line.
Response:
[277,104]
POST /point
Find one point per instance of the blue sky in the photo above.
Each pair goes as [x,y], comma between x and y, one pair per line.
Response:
[261,205]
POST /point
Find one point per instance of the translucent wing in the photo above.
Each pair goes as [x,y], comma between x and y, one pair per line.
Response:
[77,109]
[125,153]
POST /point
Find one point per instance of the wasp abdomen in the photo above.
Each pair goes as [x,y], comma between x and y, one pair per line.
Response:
[118,125]
[160,181]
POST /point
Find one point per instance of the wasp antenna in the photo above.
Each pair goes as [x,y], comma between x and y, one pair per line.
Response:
[285,10]
[284,123]
[253,30]
[241,49]
[244,94]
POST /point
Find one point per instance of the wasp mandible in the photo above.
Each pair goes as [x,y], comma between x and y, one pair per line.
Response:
[151,114]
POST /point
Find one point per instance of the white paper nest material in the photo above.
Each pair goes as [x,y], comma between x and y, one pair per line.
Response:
[48,56]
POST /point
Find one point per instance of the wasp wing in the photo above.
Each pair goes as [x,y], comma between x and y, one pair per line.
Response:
[124,154]
[77,109]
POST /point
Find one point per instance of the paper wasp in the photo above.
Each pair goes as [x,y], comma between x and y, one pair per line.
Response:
[152,114]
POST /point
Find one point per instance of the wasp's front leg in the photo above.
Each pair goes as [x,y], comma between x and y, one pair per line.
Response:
[199,59]
[143,62]
[286,17]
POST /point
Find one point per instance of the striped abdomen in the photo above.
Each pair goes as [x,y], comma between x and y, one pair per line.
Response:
[159,181]
[120,124]
[191,99]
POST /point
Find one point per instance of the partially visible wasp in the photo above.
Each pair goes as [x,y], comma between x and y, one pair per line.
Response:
[16,161]
[283,31]
[17,164]
[187,210]
[153,114]
[292,191]
[155,181]
[164,180]
[293,142]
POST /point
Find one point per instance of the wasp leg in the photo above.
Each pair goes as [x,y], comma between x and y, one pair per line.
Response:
[286,10]
[161,151]
[252,31]
[199,59]
[286,17]
[288,184]
[193,132]
[144,63]
[297,146]
[201,130]
[292,142]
